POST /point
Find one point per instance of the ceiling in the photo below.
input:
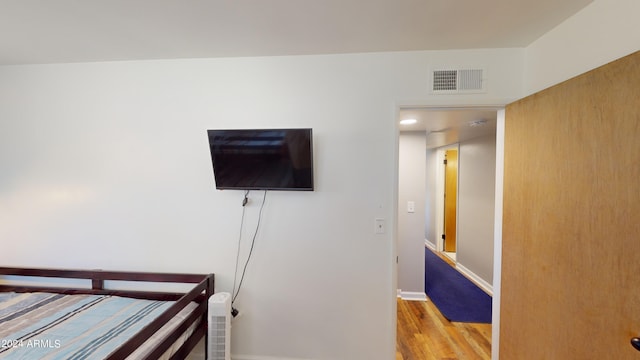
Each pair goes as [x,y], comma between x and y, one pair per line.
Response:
[63,31]
[58,31]
[450,126]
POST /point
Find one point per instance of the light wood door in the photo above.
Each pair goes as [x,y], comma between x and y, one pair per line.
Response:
[571,226]
[450,199]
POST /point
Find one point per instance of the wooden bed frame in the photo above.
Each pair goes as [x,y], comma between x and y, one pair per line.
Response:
[199,294]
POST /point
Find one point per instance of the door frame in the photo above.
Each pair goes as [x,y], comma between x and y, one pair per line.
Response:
[440,183]
[498,105]
[497,237]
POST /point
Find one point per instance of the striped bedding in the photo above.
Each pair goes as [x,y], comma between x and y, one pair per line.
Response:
[55,326]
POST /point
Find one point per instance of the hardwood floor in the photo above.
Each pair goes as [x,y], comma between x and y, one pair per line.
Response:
[424,334]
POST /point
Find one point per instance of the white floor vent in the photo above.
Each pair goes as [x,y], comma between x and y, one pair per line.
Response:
[458,81]
[219,332]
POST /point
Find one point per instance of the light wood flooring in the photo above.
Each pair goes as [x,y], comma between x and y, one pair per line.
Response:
[424,334]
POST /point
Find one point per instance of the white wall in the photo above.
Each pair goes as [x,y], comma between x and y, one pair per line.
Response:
[603,31]
[431,230]
[476,202]
[106,165]
[411,187]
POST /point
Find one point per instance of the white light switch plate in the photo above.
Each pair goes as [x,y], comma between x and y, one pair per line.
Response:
[380,226]
[411,206]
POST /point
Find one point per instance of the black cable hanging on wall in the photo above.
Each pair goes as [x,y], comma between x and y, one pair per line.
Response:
[235,293]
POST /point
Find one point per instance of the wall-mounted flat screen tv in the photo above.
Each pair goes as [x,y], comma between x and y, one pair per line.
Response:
[262,159]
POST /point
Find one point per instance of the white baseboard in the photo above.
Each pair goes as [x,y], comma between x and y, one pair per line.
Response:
[412,295]
[428,244]
[488,288]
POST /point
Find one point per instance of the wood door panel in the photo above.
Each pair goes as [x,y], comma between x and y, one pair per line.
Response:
[571,225]
[451,201]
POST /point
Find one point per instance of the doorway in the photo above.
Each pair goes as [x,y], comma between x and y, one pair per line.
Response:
[448,127]
[438,225]
[450,202]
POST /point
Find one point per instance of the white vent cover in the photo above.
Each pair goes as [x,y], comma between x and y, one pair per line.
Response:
[218,337]
[458,81]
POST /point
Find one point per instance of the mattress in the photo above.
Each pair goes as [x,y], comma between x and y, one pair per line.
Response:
[56,326]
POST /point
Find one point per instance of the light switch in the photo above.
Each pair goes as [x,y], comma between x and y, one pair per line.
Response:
[380,228]
[411,206]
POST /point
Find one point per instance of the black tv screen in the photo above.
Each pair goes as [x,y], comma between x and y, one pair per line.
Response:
[262,159]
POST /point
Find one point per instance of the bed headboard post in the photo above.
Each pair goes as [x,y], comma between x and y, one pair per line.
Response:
[97,284]
[211,286]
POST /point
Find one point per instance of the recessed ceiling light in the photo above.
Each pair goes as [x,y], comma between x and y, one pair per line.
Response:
[408,121]
[480,122]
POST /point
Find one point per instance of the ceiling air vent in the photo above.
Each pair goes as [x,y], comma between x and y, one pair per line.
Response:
[458,81]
